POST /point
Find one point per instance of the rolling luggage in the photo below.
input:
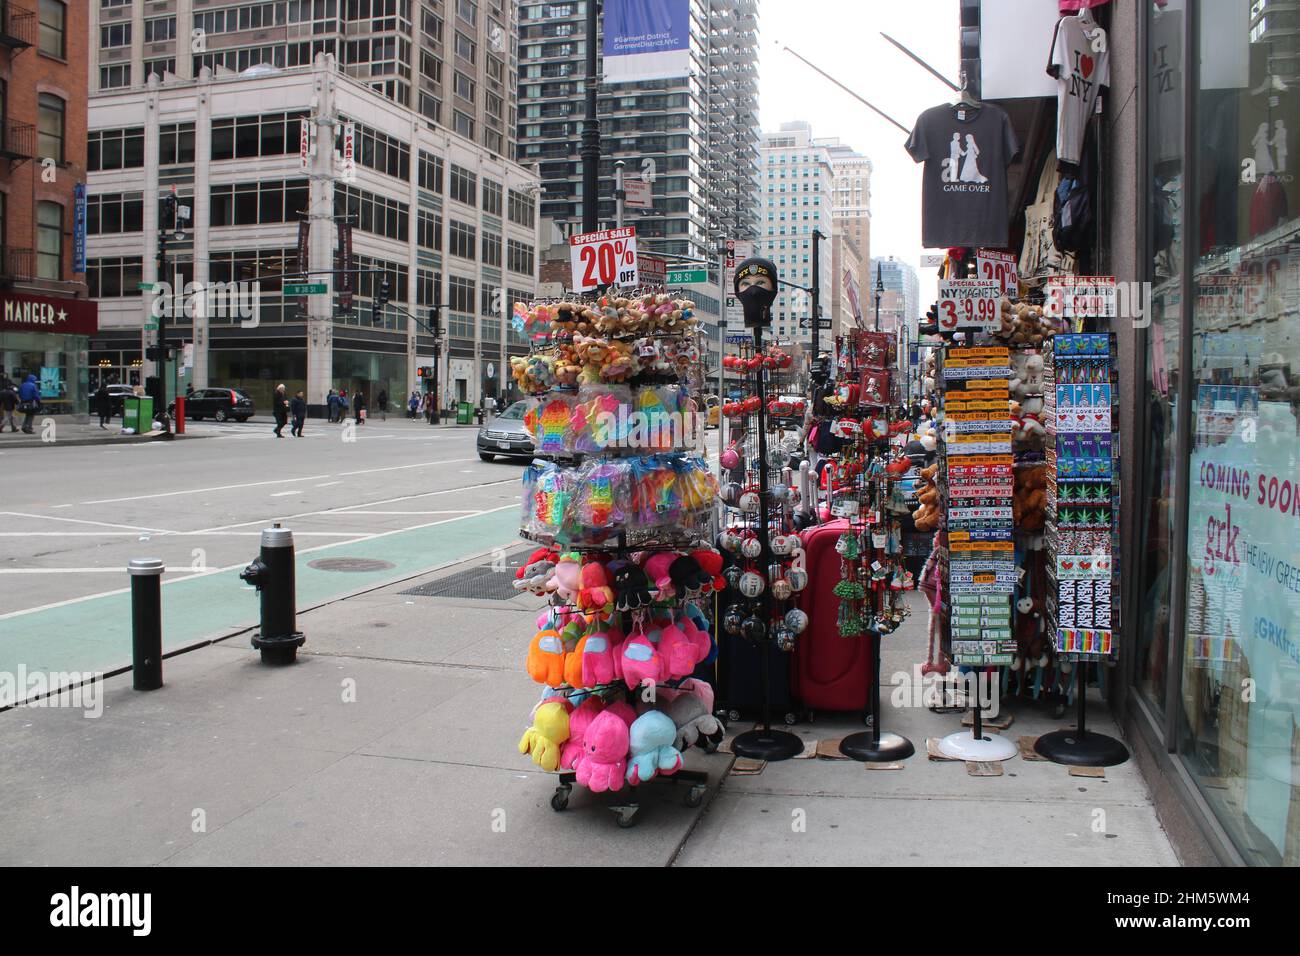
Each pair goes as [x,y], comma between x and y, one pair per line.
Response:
[828,672]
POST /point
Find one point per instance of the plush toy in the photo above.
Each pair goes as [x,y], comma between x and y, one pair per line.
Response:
[691,715]
[639,661]
[657,568]
[535,572]
[566,581]
[1029,502]
[550,729]
[592,661]
[631,586]
[603,763]
[545,662]
[619,363]
[596,594]
[678,652]
[926,517]
[1032,643]
[687,576]
[696,628]
[572,751]
[710,563]
[651,750]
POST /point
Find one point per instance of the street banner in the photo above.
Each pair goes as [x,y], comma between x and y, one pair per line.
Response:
[304,238]
[79,229]
[603,258]
[851,292]
[346,285]
[304,143]
[349,172]
[646,40]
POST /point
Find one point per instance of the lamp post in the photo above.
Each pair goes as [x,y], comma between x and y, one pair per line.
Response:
[879,290]
[590,150]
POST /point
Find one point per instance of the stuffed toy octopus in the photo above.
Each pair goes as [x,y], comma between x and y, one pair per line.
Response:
[651,750]
[603,762]
[691,715]
[579,721]
[550,729]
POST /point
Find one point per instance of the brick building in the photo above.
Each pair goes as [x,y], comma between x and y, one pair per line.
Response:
[45,315]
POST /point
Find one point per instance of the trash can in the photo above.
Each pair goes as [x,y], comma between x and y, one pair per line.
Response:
[464,414]
[137,413]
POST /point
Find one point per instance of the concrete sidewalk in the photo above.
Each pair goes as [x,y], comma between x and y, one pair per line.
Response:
[64,430]
[393,741]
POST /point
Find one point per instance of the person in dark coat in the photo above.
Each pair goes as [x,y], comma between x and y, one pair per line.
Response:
[8,402]
[29,401]
[280,407]
[359,406]
[332,403]
[103,405]
[343,405]
[298,408]
[382,402]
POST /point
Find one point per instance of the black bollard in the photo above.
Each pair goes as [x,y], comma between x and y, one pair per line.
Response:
[272,573]
[146,622]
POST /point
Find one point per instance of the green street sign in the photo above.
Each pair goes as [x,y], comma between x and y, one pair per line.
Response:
[685,276]
[144,286]
[151,325]
[313,288]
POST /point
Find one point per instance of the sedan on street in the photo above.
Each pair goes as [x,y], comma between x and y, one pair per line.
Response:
[505,435]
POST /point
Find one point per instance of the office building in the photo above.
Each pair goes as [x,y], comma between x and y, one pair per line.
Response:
[435,214]
[796,190]
[851,245]
[900,303]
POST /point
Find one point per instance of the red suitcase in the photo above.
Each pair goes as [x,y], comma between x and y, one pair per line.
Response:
[828,672]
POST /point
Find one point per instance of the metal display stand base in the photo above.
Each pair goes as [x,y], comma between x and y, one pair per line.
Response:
[1087,749]
[889,747]
[760,744]
[964,745]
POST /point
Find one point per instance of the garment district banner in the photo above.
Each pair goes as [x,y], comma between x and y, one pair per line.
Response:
[646,40]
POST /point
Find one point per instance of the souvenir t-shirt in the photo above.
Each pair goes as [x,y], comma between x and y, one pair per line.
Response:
[1080,61]
[966,150]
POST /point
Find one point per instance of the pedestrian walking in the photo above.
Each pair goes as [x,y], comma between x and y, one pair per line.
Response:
[359,407]
[413,406]
[29,401]
[331,406]
[8,402]
[280,406]
[298,409]
[343,405]
[103,405]
[382,402]
[428,407]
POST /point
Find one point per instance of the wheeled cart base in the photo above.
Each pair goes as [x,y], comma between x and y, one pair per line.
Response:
[625,811]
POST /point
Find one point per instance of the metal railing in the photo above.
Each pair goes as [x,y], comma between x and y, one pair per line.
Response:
[17,265]
[17,25]
[17,140]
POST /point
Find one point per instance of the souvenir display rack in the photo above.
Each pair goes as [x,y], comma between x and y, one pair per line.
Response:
[625,570]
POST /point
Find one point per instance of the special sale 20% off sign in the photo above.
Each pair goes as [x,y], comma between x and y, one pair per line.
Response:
[969,304]
[603,258]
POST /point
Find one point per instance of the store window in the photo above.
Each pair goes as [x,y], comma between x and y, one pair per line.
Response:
[49,241]
[1239,705]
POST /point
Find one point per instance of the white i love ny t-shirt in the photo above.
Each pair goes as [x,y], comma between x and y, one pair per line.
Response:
[1080,61]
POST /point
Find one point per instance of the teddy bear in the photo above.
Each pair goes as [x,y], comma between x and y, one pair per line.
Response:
[567,366]
[1032,643]
[926,517]
[1029,501]
[619,364]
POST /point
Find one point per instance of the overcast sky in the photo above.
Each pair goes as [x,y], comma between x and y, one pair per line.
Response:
[843,38]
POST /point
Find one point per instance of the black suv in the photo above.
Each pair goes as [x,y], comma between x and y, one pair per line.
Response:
[219,403]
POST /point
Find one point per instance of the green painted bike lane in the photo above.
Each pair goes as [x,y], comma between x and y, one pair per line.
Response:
[94,635]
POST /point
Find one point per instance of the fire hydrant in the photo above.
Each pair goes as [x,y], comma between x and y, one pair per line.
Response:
[272,574]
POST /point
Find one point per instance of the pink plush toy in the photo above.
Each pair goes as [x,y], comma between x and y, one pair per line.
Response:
[604,758]
[656,569]
[599,656]
[573,749]
[596,594]
[697,636]
[567,578]
[623,710]
[640,661]
[677,651]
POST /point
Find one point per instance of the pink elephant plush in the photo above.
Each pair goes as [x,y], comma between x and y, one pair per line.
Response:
[573,749]
[603,763]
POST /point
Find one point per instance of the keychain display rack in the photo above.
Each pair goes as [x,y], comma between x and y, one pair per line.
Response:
[626,571]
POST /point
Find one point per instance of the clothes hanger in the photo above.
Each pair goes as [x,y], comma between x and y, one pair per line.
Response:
[1085,17]
[964,97]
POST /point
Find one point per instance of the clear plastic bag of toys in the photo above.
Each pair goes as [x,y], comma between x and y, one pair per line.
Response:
[599,420]
[547,420]
[601,500]
[665,419]
[551,493]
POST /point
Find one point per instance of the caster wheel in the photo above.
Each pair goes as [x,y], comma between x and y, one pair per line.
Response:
[694,797]
[733,715]
[1058,711]
[560,799]
[710,744]
[625,819]
[791,720]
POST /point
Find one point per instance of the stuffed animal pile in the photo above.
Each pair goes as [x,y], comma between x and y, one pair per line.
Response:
[1024,324]
[926,517]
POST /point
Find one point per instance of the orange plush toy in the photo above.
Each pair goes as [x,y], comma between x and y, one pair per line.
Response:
[546,655]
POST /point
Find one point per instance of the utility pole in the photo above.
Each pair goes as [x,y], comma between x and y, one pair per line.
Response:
[619,194]
[435,317]
[816,293]
[590,151]
[880,290]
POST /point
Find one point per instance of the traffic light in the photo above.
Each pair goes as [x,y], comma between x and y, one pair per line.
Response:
[384,292]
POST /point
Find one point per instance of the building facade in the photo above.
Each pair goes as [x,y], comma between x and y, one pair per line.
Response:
[694,138]
[252,156]
[45,314]
[900,303]
[796,190]
[452,61]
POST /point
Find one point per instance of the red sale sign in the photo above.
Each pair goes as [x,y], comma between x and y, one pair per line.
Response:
[603,258]
[1000,266]
[969,304]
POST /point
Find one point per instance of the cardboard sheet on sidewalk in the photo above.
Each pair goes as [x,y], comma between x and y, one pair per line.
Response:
[932,749]
[1000,722]
[1027,751]
[984,768]
[747,767]
[830,749]
[1087,771]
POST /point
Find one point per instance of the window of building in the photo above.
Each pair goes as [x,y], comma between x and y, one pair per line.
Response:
[461,297]
[114,35]
[379,151]
[176,144]
[521,209]
[464,185]
[491,197]
[115,77]
[519,257]
[373,213]
[49,240]
[431,24]
[113,213]
[245,137]
[430,107]
[461,237]
[463,124]
[465,47]
[428,230]
[430,66]
[491,249]
[113,278]
[160,67]
[464,87]
[54,28]
[50,126]
[430,172]
[159,29]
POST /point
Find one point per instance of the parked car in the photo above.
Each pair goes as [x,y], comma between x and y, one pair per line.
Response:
[506,435]
[115,395]
[219,403]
